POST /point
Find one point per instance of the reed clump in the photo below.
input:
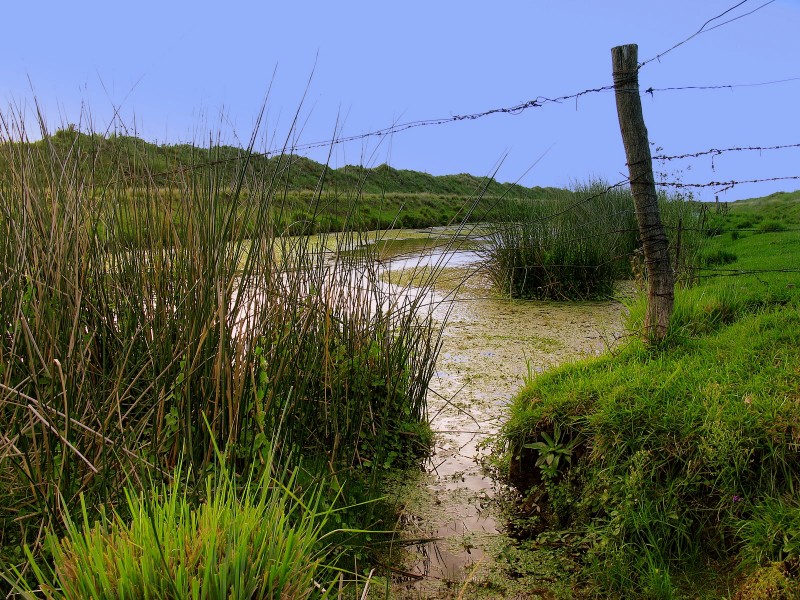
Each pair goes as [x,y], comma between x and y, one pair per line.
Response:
[575,247]
[142,317]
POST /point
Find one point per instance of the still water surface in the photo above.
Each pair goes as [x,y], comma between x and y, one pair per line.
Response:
[490,345]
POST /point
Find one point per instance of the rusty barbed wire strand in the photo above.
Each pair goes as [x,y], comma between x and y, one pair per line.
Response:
[716,272]
[718,151]
[724,185]
[710,229]
[289,150]
[727,86]
[537,102]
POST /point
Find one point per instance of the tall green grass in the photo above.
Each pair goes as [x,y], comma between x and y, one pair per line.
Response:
[669,452]
[578,245]
[134,309]
[678,467]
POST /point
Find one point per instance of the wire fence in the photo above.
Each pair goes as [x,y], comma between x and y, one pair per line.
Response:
[605,224]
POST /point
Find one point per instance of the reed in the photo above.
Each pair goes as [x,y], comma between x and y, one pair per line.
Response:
[573,247]
[135,309]
[577,246]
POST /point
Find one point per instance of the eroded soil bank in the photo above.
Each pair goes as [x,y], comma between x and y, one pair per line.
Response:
[489,346]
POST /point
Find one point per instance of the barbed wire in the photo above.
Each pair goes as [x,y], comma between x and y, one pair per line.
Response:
[724,185]
[538,102]
[728,86]
[703,29]
[711,229]
[517,109]
[718,151]
[696,271]
[717,272]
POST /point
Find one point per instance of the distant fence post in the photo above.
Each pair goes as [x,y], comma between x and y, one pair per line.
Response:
[660,278]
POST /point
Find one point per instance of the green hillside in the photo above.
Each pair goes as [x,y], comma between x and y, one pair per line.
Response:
[303,196]
[138,158]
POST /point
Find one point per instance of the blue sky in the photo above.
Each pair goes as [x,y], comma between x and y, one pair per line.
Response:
[176,70]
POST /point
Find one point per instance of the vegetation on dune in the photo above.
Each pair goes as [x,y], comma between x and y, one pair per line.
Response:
[159,164]
[314,197]
[673,471]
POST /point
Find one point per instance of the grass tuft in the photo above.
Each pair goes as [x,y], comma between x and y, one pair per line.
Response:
[578,245]
[259,539]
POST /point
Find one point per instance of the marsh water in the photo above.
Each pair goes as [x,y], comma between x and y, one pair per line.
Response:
[449,527]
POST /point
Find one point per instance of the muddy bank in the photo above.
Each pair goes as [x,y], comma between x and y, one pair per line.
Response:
[489,346]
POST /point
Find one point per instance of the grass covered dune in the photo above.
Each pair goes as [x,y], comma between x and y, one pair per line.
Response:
[674,471]
[315,198]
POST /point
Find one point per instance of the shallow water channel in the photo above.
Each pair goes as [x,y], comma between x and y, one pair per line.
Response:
[489,346]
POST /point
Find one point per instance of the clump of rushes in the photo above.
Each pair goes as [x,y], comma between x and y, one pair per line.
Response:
[259,539]
[136,306]
[577,246]
[568,248]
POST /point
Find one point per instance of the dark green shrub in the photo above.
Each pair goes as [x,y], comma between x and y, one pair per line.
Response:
[566,248]
[716,258]
[771,226]
[577,246]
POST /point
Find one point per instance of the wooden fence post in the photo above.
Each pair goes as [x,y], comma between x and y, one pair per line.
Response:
[676,271]
[660,278]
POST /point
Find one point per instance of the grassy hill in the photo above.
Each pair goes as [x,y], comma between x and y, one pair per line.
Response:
[672,471]
[137,158]
[303,195]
